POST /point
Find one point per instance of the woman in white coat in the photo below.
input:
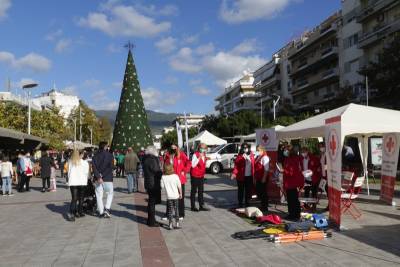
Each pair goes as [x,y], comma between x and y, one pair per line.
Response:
[78,173]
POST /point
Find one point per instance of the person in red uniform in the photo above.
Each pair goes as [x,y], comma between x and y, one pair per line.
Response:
[292,180]
[261,169]
[312,163]
[197,173]
[182,165]
[243,172]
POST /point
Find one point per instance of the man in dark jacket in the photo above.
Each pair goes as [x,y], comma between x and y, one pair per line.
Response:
[103,175]
[152,176]
[46,162]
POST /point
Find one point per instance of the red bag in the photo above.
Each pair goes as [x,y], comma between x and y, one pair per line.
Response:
[29,171]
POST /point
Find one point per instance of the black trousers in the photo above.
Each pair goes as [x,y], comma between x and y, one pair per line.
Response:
[314,190]
[197,187]
[24,180]
[77,193]
[151,207]
[262,194]
[181,204]
[173,211]
[292,197]
[44,181]
[244,190]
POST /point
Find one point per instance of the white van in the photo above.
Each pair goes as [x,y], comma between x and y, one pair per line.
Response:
[223,157]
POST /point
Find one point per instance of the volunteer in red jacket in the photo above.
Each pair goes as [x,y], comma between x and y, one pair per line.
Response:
[197,173]
[310,162]
[261,169]
[182,165]
[243,172]
[292,180]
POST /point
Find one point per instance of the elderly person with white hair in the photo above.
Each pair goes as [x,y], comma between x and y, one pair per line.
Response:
[152,177]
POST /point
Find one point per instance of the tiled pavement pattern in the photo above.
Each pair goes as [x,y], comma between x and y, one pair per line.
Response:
[34,232]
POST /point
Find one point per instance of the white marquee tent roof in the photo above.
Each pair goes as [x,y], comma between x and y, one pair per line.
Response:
[355,120]
[207,138]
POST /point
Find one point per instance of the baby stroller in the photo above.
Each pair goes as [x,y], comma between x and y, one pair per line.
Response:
[89,199]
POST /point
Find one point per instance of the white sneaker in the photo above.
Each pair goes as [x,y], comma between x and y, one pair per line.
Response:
[180,218]
[164,219]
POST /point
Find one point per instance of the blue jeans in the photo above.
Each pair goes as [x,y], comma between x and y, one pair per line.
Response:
[108,187]
[7,187]
[131,180]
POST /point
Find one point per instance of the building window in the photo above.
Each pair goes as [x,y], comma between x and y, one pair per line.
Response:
[289,86]
[347,67]
[316,92]
[53,102]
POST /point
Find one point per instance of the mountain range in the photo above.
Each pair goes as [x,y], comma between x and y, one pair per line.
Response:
[157,120]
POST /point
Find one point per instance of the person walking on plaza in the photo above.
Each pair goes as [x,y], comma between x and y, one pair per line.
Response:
[181,164]
[45,163]
[102,164]
[292,180]
[78,171]
[130,166]
[6,171]
[197,173]
[170,181]
[152,182]
[21,172]
[120,158]
[28,170]
[243,172]
[53,179]
[261,173]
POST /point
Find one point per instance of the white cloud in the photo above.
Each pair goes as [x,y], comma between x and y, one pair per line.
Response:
[171,80]
[166,45]
[117,85]
[126,21]
[62,45]
[195,82]
[184,61]
[205,49]
[155,99]
[4,6]
[238,11]
[32,61]
[152,10]
[54,35]
[245,47]
[226,67]
[101,101]
[190,39]
[201,91]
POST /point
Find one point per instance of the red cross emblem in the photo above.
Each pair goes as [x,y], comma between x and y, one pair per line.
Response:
[390,144]
[265,138]
[333,144]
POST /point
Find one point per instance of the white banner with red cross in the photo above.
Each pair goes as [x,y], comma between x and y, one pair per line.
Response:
[390,156]
[267,139]
[333,142]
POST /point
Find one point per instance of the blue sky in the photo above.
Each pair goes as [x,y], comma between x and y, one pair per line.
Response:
[186,50]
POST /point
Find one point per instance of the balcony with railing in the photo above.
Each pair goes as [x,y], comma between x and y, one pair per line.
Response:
[372,7]
[315,81]
[319,57]
[379,31]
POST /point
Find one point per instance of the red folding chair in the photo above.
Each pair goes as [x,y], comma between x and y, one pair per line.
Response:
[348,197]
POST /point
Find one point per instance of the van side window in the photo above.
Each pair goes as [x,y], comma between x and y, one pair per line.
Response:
[229,149]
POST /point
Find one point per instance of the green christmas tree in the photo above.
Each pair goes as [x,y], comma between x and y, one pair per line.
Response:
[131,127]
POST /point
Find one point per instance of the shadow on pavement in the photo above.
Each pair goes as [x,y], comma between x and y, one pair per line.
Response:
[61,209]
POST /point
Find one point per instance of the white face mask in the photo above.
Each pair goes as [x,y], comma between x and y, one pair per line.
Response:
[246,150]
[304,154]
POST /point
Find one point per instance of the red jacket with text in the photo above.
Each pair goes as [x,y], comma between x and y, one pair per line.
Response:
[292,176]
[240,165]
[200,169]
[314,165]
[181,165]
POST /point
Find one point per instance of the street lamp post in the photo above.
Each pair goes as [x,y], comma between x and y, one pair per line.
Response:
[91,135]
[275,102]
[27,87]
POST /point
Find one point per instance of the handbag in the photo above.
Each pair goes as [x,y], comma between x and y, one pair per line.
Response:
[29,171]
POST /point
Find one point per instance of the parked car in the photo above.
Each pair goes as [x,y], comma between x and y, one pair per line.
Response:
[223,157]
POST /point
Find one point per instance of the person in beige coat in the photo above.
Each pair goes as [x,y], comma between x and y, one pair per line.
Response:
[131,162]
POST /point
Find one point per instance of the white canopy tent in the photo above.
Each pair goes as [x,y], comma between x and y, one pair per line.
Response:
[207,138]
[356,120]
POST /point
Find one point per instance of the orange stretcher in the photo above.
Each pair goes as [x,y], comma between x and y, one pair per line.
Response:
[302,236]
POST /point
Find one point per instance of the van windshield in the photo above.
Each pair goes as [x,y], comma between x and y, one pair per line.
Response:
[216,149]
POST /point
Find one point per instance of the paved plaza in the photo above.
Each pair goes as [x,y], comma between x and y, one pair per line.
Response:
[35,232]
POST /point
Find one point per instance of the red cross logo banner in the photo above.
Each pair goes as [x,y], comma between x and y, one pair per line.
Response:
[333,144]
[390,144]
[265,138]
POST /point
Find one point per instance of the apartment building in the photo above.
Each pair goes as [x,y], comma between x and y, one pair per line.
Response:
[314,66]
[350,55]
[192,120]
[53,98]
[240,95]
